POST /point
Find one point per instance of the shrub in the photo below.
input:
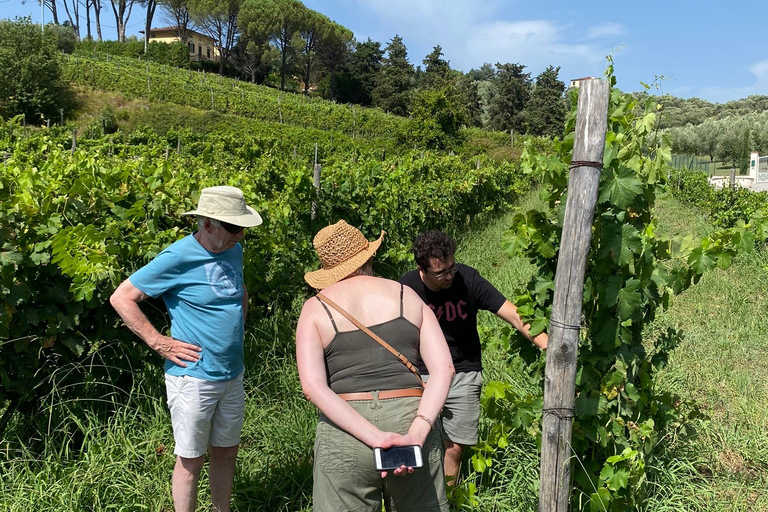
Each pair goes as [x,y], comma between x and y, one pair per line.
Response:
[66,39]
[30,72]
[172,54]
[437,118]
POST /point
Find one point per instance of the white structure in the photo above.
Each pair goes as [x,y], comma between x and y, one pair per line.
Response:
[757,179]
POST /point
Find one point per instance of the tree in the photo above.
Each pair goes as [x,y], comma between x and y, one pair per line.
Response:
[73,14]
[253,57]
[708,141]
[334,52]
[51,5]
[176,13]
[65,37]
[545,112]
[281,20]
[513,88]
[122,11]
[468,88]
[484,80]
[30,73]
[362,72]
[151,6]
[746,147]
[96,4]
[218,20]
[312,30]
[437,70]
[88,36]
[394,84]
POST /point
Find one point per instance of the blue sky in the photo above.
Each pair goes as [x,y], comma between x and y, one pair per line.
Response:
[709,49]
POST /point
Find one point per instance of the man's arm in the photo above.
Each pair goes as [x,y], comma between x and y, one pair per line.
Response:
[126,300]
[508,313]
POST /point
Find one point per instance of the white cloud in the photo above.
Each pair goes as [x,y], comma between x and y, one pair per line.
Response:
[723,94]
[536,44]
[471,33]
[607,29]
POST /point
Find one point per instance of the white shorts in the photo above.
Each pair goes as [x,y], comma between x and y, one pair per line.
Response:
[204,413]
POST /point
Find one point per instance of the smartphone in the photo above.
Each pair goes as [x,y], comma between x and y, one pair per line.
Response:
[393,458]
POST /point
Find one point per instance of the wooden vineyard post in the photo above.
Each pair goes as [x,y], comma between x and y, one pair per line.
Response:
[560,373]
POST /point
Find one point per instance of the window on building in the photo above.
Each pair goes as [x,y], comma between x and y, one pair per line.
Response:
[191,47]
[208,51]
[199,50]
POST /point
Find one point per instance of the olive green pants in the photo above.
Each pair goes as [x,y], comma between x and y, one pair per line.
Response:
[344,476]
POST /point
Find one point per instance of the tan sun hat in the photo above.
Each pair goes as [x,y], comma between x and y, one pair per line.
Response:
[226,204]
[342,250]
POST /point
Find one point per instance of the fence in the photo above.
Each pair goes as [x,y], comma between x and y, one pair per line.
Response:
[692,163]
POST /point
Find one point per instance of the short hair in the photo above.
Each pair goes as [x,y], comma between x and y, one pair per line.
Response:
[201,222]
[432,244]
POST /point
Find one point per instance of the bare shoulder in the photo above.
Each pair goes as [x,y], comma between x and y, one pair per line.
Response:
[309,308]
[413,305]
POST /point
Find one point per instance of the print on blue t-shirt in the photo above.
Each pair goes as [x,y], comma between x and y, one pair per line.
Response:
[203,292]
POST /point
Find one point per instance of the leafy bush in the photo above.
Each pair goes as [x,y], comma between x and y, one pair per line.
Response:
[691,186]
[726,207]
[30,72]
[171,54]
[91,48]
[66,39]
[437,116]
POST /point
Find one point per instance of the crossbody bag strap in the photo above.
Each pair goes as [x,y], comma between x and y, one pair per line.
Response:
[373,335]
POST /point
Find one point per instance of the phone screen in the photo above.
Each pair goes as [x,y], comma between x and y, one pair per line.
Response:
[400,456]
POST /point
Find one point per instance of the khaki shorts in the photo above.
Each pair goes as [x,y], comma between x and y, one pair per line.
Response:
[204,413]
[344,476]
[461,412]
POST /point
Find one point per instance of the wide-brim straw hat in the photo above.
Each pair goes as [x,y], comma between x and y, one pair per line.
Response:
[226,204]
[342,250]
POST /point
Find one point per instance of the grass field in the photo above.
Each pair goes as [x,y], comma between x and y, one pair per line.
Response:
[125,463]
[722,364]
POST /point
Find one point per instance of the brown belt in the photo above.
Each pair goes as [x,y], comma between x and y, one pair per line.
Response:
[390,393]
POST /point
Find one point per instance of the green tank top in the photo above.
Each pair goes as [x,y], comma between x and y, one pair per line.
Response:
[355,362]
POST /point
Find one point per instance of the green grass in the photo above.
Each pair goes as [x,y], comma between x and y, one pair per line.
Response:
[722,364]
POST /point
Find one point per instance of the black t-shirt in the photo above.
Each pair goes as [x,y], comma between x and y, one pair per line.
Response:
[456,309]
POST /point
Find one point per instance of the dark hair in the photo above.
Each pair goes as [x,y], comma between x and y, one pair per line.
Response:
[432,244]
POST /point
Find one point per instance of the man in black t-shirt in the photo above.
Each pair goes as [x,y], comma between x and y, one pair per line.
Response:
[455,293]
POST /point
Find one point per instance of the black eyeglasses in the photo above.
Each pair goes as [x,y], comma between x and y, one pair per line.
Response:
[443,273]
[231,228]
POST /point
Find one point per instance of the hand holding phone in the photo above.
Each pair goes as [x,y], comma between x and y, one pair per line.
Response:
[396,457]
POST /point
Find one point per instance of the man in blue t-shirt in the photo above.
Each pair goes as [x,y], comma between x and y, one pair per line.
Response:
[200,279]
[455,293]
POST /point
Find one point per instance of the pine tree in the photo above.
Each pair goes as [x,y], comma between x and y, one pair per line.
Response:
[395,82]
[513,88]
[545,111]
[437,71]
[359,79]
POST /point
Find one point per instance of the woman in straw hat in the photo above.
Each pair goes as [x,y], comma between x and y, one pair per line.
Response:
[367,396]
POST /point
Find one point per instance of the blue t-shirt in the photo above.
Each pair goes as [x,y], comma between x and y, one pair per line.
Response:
[203,292]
